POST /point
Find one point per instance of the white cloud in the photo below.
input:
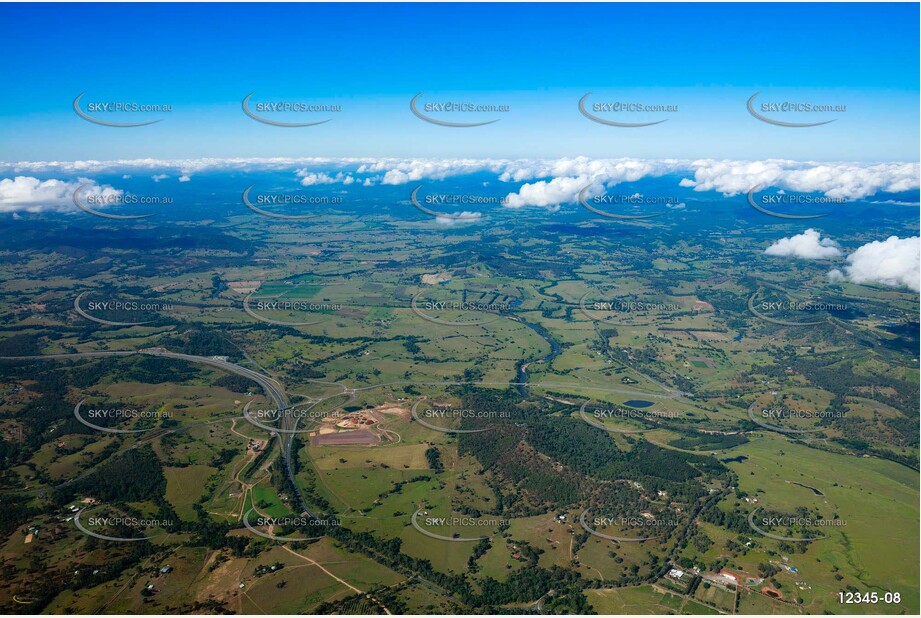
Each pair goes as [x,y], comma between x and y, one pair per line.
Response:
[611,171]
[897,203]
[468,217]
[808,245]
[185,178]
[569,176]
[547,193]
[310,179]
[159,177]
[838,180]
[400,172]
[29,194]
[895,262]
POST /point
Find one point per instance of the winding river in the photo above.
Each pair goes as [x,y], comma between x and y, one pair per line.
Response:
[555,350]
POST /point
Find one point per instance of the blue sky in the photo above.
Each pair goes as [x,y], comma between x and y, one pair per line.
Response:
[538,59]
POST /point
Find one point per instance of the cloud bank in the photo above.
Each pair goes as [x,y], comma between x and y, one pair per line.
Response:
[839,180]
[29,194]
[549,182]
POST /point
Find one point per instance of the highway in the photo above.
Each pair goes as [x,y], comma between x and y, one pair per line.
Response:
[288,422]
[272,389]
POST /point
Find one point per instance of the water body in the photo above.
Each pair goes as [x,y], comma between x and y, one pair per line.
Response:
[638,403]
[814,490]
[555,350]
[738,459]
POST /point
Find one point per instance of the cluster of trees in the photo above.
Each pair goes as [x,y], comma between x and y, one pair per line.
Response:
[200,343]
[20,345]
[398,486]
[526,585]
[135,476]
[479,550]
[524,454]
[307,481]
[223,457]
[236,383]
[615,500]
[15,511]
[698,441]
[502,450]
[433,457]
[258,461]
[48,411]
[839,377]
